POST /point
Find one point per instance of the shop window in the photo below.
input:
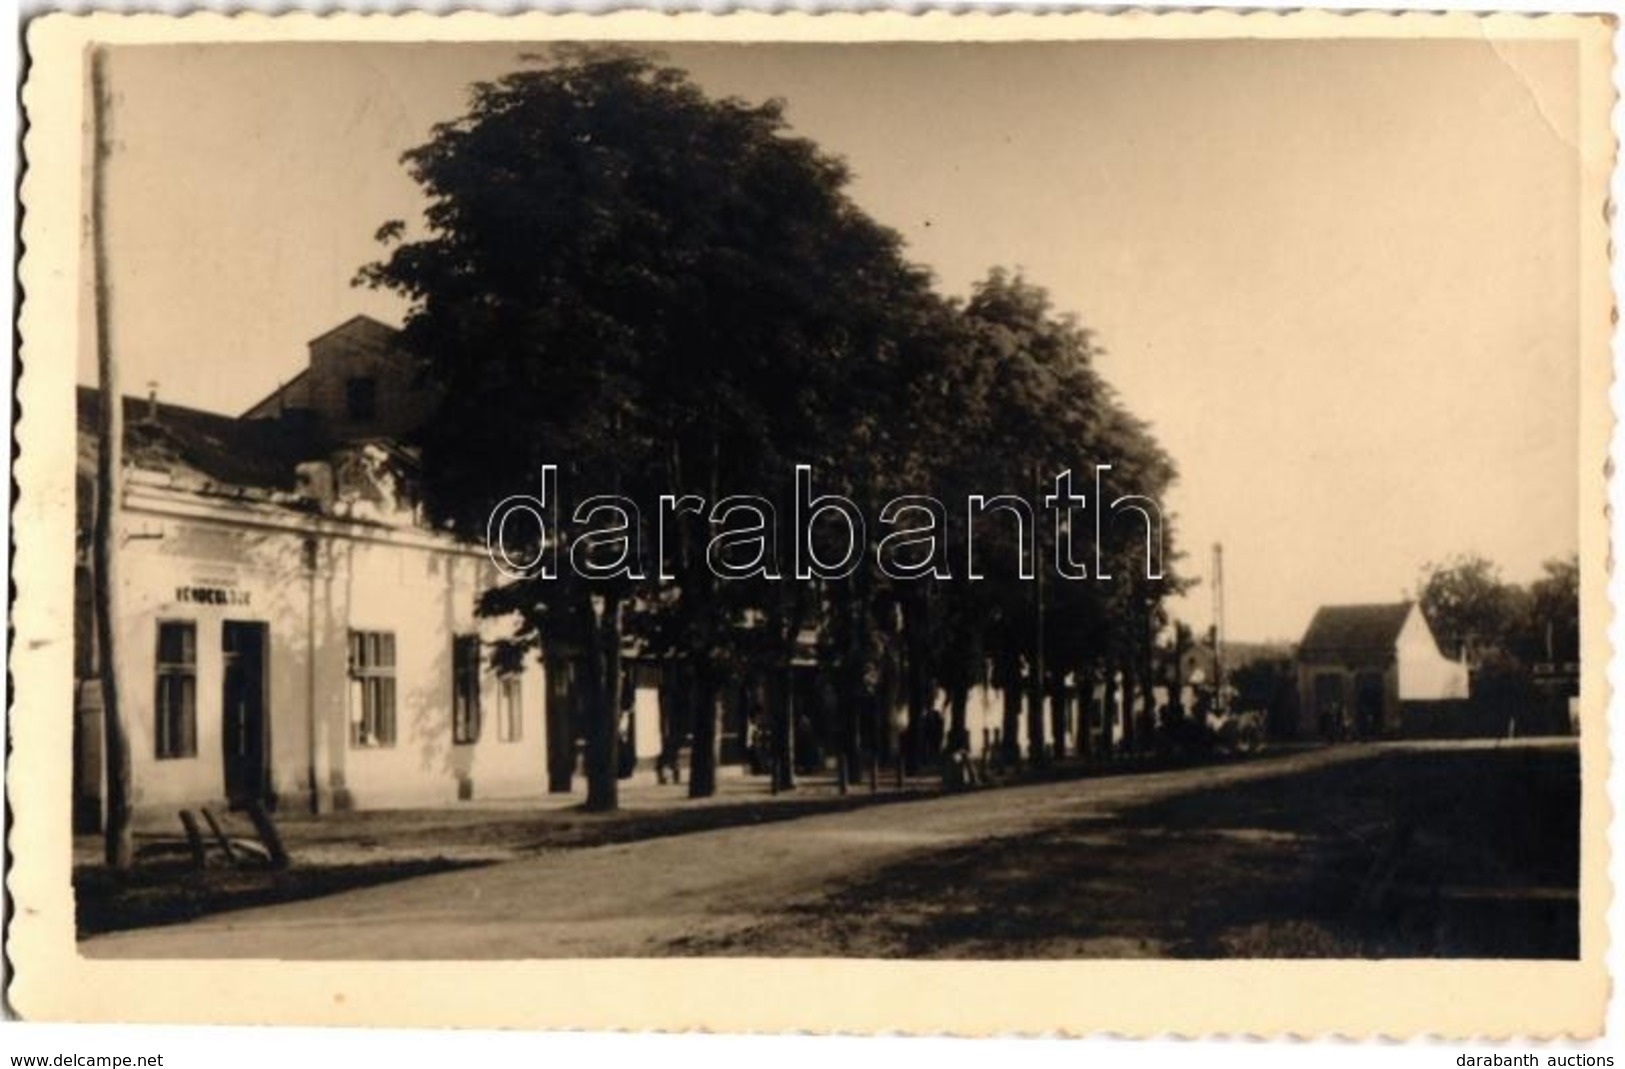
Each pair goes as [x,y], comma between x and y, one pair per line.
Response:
[510,709]
[175,732]
[372,688]
[465,685]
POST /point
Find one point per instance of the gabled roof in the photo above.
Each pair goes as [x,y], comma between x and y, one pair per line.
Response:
[1338,628]
[374,326]
[380,330]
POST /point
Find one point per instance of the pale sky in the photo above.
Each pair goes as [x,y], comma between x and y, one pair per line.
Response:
[1339,278]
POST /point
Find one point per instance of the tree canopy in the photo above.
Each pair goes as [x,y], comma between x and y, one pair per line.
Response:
[1478,616]
[664,293]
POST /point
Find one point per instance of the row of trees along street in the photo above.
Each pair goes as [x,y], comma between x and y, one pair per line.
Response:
[667,294]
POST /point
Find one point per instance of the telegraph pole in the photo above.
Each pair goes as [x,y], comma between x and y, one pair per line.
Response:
[120,844]
[1218,625]
[1036,739]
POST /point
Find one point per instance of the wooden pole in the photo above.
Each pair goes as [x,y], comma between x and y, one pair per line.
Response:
[1035,713]
[120,843]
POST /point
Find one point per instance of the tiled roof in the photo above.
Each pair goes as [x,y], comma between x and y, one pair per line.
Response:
[1355,628]
[223,450]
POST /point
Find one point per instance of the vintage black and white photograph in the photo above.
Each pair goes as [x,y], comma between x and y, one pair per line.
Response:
[928,500]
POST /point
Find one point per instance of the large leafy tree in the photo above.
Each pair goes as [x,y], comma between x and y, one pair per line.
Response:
[1477,615]
[661,293]
[1471,609]
[1551,626]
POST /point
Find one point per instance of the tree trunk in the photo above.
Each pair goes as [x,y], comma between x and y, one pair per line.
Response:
[843,753]
[1108,717]
[1149,735]
[1037,748]
[958,723]
[702,758]
[1130,738]
[1035,687]
[1086,712]
[782,713]
[873,697]
[604,713]
[674,719]
[1010,679]
[891,694]
[783,721]
[1057,714]
[1176,691]
[916,642]
[560,713]
[853,689]
[1146,650]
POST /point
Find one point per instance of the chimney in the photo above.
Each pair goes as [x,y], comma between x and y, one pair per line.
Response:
[152,401]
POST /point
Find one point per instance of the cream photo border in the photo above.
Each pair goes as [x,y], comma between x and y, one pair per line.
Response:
[51,981]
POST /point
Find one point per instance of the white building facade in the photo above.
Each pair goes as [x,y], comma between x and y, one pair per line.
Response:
[296,637]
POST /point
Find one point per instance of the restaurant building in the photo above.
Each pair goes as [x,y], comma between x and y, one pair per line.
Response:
[289,629]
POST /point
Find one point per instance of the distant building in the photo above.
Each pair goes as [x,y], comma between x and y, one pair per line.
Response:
[1360,666]
[358,384]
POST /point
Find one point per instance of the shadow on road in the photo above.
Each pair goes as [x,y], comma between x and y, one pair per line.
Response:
[1470,853]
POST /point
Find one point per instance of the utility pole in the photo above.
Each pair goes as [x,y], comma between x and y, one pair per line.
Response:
[120,844]
[1035,719]
[1218,625]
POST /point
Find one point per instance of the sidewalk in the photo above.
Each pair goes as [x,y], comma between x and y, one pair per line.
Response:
[495,829]
[503,828]
[346,850]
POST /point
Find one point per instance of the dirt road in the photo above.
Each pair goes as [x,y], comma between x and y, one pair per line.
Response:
[760,889]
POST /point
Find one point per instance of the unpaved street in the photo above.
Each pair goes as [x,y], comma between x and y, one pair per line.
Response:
[860,882]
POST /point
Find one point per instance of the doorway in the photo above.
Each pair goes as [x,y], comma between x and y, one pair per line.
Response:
[244,731]
[1368,701]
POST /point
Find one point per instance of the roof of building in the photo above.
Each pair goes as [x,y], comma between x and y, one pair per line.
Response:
[1236,654]
[380,331]
[1355,627]
[1240,653]
[373,326]
[225,450]
[282,388]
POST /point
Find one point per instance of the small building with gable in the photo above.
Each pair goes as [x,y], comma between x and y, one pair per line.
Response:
[1362,667]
